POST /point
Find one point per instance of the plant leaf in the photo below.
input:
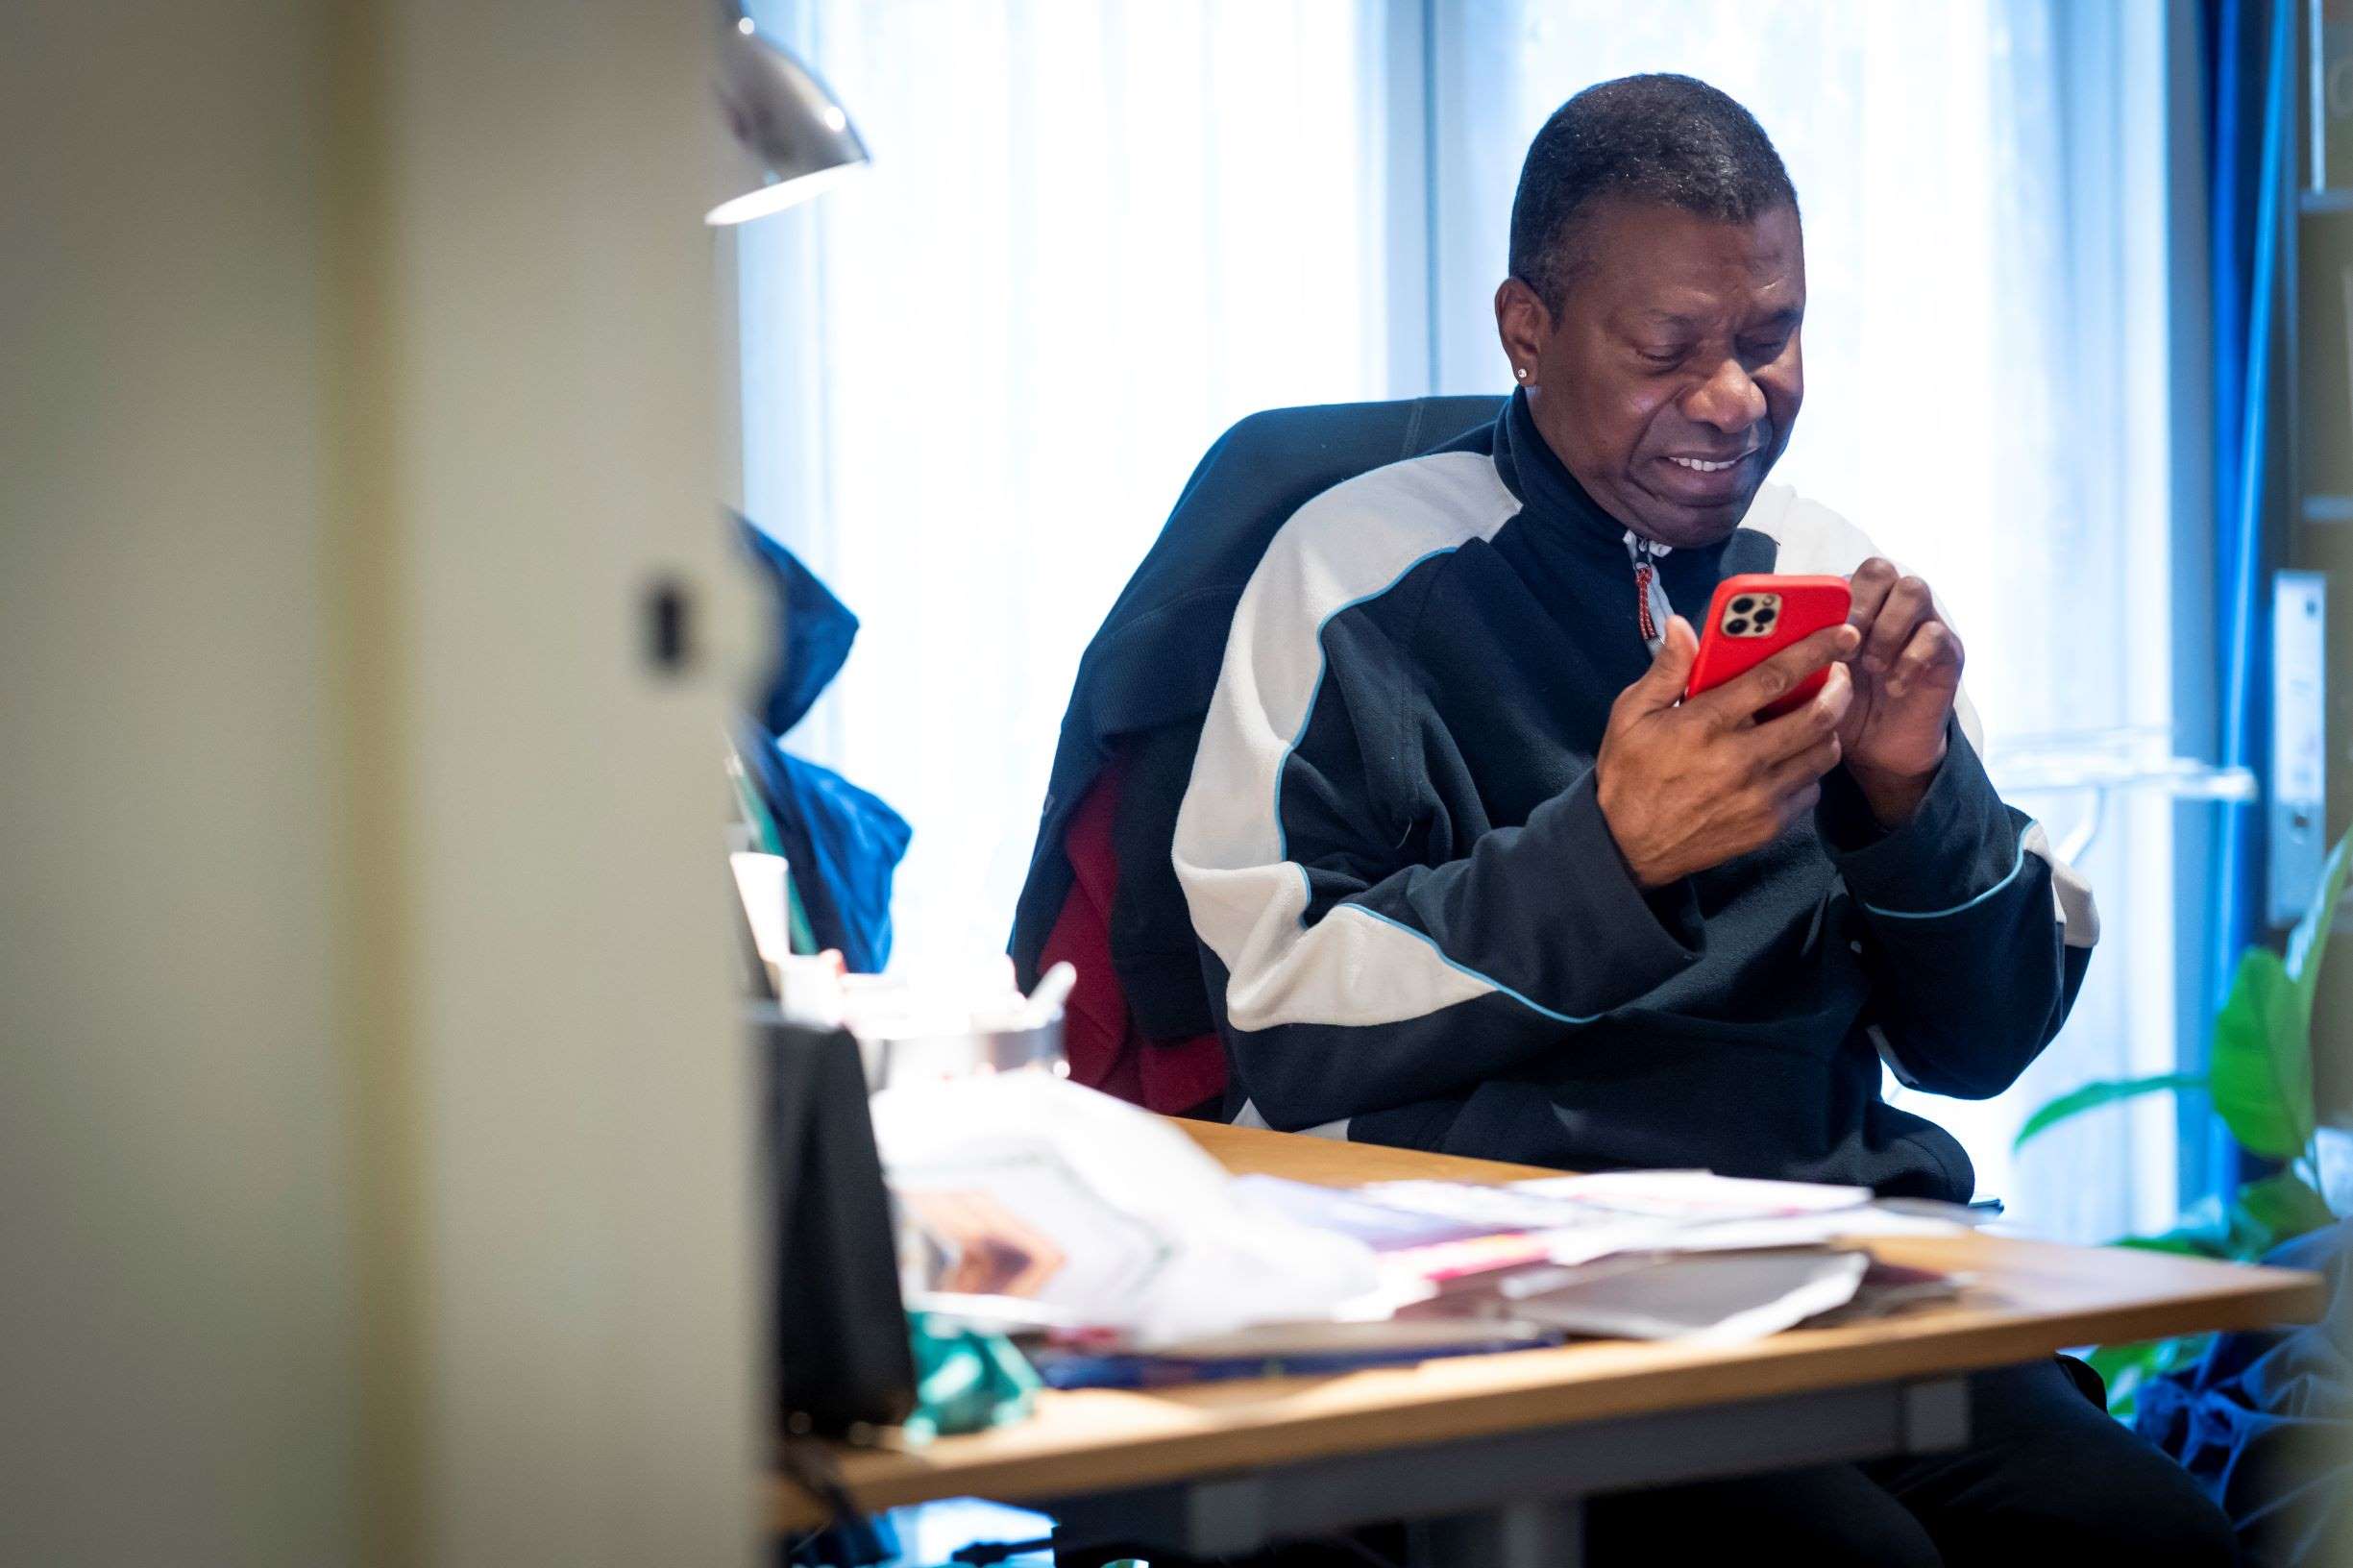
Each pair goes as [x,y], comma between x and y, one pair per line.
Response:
[2308,942]
[2173,1355]
[2187,1243]
[2279,1208]
[2123,1368]
[2203,1231]
[2104,1091]
[2261,1070]
[2127,1370]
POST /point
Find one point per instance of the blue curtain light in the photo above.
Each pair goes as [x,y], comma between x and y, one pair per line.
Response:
[2250,60]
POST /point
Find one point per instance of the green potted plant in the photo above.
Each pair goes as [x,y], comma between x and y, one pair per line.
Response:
[2259,1077]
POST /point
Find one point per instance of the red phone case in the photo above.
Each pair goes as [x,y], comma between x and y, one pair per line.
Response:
[1754,616]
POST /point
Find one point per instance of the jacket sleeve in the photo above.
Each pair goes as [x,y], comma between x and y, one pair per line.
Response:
[1977,934]
[1355,967]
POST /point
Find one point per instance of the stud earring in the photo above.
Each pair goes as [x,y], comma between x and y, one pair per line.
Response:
[1523,373]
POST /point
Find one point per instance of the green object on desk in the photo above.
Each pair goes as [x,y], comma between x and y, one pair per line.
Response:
[965,1381]
[756,814]
[798,930]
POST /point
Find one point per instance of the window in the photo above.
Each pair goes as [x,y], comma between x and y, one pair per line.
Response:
[1095,234]
[977,377]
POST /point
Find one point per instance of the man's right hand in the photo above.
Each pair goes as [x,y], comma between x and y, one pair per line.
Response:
[1684,786]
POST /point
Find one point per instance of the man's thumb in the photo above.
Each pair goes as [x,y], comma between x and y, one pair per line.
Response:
[1671,666]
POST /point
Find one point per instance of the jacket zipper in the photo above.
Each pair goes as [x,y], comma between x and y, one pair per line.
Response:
[1645,556]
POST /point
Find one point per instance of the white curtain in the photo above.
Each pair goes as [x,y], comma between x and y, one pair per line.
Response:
[1096,234]
[1093,236]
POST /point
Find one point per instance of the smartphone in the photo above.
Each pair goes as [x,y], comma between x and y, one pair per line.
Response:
[1754,616]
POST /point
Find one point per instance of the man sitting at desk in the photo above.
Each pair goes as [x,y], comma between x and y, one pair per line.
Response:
[1468,877]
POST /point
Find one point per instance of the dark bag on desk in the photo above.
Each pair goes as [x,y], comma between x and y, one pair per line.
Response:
[842,1358]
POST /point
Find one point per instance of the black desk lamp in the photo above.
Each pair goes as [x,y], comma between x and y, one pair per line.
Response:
[784,116]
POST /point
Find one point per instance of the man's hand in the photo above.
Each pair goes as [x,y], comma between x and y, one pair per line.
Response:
[1687,787]
[1906,678]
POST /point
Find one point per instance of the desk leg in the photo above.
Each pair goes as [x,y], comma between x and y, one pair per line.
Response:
[1543,1533]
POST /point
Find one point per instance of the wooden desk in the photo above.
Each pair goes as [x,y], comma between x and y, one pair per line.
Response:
[1506,1443]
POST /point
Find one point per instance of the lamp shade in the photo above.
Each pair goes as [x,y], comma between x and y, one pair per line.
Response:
[785,119]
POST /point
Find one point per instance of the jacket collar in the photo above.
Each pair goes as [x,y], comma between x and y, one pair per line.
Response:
[1535,474]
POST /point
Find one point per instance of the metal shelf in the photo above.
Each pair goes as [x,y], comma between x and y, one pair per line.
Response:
[2101,763]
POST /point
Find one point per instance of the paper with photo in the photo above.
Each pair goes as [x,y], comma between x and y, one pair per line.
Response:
[1028,1186]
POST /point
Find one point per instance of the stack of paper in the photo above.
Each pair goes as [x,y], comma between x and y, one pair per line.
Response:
[1280,1349]
[1689,1210]
[1033,1205]
[1652,1254]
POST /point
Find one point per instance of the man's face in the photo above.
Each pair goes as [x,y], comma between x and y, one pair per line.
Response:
[1670,381]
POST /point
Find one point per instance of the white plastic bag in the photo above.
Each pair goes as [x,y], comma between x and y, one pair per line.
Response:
[1026,1184]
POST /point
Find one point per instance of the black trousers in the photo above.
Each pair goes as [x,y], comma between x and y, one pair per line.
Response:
[2047,1477]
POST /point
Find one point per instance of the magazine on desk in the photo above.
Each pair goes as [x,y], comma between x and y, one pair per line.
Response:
[1043,1208]
[1444,1231]
[1650,1255]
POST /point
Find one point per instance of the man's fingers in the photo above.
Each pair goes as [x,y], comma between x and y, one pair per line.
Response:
[1933,656]
[1671,666]
[1799,731]
[1662,684]
[1867,590]
[1738,699]
[1908,604]
[1803,768]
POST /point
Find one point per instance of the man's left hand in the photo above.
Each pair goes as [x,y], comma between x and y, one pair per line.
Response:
[1906,675]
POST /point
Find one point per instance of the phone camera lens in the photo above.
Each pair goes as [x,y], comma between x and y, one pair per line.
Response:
[1764,617]
[1743,605]
[1737,627]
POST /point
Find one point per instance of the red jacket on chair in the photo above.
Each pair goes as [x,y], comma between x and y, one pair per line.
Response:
[1099,1034]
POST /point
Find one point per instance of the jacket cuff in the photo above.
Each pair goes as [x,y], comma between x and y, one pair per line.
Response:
[1655,932]
[1960,847]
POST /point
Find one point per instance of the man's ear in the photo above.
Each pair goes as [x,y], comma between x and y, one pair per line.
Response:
[1524,325]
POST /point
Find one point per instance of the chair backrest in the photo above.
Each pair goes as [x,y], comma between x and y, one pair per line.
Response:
[1148,677]
[1179,603]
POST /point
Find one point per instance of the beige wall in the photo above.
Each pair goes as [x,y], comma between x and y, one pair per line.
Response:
[578,1078]
[373,1134]
[174,1355]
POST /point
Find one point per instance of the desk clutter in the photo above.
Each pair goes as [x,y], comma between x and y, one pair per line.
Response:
[1118,1254]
